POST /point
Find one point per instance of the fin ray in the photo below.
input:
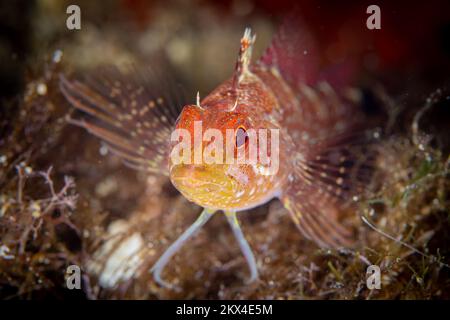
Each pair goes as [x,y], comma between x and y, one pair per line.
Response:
[293,51]
[133,112]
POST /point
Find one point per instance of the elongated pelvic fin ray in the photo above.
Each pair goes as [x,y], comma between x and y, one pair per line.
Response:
[243,244]
[206,214]
[173,249]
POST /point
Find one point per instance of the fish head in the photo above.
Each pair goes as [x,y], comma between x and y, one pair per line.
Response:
[215,158]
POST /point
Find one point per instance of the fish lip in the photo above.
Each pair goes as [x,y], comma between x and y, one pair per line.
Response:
[195,183]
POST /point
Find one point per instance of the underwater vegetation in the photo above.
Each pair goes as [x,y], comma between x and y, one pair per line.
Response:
[65,200]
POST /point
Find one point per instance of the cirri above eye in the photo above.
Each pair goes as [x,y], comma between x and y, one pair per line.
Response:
[241,137]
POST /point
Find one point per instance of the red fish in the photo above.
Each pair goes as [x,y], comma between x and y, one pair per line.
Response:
[321,147]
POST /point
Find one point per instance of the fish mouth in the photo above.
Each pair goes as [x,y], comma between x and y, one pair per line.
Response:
[206,186]
[196,184]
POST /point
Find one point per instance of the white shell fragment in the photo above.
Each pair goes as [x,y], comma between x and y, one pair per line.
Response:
[119,258]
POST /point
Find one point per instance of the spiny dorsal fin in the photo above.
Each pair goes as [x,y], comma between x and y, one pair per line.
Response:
[293,52]
[244,58]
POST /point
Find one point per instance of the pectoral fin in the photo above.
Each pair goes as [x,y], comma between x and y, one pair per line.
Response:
[133,113]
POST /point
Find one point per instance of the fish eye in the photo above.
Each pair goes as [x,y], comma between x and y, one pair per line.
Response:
[241,137]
